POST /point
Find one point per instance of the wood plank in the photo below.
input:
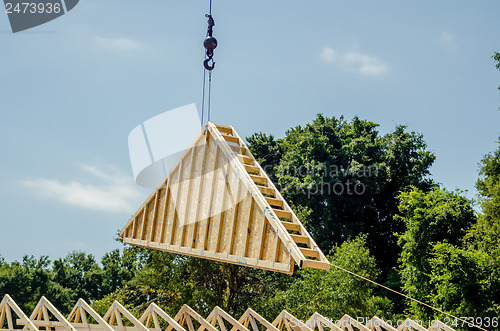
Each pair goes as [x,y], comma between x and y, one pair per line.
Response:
[245,159]
[231,139]
[259,179]
[162,205]
[300,239]
[283,213]
[274,202]
[234,223]
[309,252]
[173,225]
[249,227]
[212,180]
[198,197]
[154,218]
[238,149]
[186,220]
[266,190]
[212,222]
[224,128]
[10,322]
[251,169]
[291,226]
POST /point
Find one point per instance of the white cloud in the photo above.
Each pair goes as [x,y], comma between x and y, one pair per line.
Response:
[447,37]
[328,54]
[361,63]
[118,44]
[113,192]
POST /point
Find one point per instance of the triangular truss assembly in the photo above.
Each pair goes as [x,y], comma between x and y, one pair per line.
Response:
[83,318]
[319,322]
[218,203]
[47,316]
[116,313]
[377,324]
[151,316]
[251,318]
[288,322]
[7,306]
[187,315]
[347,323]
[219,317]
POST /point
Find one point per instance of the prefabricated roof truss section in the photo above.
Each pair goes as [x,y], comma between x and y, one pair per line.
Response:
[83,318]
[218,203]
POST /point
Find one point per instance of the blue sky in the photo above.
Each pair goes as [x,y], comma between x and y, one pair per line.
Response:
[72,90]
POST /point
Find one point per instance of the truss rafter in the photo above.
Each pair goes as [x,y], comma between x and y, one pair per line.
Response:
[117,318]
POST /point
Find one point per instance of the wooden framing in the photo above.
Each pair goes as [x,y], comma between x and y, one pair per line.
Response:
[287,321]
[350,324]
[83,318]
[7,306]
[152,314]
[116,313]
[250,318]
[317,321]
[79,317]
[220,317]
[218,203]
[43,316]
[186,315]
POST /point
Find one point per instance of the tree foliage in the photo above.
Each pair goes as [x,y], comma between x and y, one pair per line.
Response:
[343,178]
[63,281]
[434,221]
[333,293]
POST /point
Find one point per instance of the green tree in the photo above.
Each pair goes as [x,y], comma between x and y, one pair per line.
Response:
[200,283]
[31,279]
[436,222]
[343,178]
[484,237]
[118,269]
[80,273]
[465,277]
[333,293]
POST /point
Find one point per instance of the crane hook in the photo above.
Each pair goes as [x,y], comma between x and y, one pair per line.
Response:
[207,64]
[210,43]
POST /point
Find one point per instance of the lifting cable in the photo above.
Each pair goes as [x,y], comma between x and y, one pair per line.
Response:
[210,43]
[399,293]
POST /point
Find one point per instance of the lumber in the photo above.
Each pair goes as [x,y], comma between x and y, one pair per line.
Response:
[218,203]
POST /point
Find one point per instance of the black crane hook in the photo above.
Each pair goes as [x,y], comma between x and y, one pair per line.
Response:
[210,43]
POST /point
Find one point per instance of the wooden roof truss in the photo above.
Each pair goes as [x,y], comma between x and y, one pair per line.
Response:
[218,203]
[83,318]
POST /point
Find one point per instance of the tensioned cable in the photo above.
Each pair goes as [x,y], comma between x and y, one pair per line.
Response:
[209,92]
[205,78]
[399,293]
[203,95]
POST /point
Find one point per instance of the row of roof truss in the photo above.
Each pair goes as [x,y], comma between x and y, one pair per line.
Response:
[84,318]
